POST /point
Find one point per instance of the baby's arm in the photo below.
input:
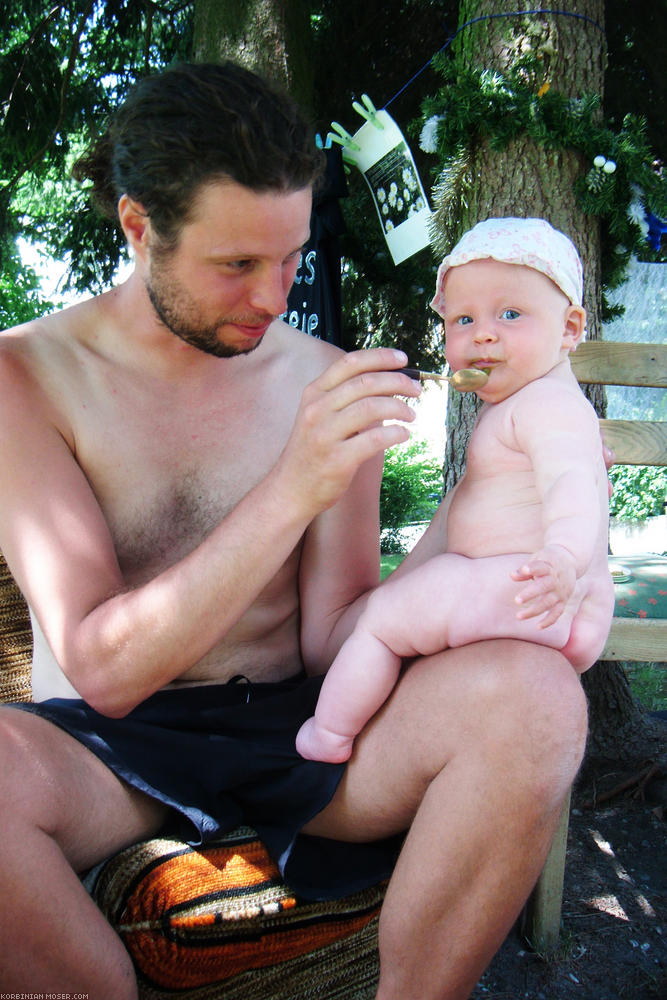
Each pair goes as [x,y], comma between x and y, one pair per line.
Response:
[560,434]
[553,575]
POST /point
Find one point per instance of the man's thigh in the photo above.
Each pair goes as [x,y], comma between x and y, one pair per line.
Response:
[50,780]
[495,700]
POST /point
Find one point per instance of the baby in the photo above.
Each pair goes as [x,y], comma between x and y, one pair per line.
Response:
[518,549]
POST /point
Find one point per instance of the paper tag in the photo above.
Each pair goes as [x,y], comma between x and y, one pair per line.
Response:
[385,160]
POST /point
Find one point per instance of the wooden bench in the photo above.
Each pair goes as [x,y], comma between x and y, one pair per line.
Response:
[635,442]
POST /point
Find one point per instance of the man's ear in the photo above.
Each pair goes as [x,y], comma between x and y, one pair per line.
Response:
[574,327]
[135,224]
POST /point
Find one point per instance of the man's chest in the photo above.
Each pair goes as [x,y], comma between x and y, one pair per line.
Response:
[165,476]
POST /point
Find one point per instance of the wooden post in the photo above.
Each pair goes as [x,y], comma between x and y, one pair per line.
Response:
[542,915]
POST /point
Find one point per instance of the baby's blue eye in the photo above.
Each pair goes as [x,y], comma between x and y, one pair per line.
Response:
[509,314]
[464,320]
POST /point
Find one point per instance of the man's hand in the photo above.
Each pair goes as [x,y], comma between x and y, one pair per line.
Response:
[553,577]
[342,422]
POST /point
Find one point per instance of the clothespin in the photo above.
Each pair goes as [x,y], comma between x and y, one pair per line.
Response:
[368,111]
[344,139]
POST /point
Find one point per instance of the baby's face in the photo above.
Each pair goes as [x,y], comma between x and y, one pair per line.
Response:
[507,318]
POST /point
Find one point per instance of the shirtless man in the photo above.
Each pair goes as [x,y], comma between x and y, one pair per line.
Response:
[521,542]
[178,512]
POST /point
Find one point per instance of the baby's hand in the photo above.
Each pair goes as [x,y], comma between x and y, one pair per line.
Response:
[553,575]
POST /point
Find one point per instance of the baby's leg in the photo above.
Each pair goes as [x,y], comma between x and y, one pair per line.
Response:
[590,626]
[452,600]
[358,682]
[449,600]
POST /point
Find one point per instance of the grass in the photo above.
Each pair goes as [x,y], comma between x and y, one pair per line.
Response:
[388,564]
[649,684]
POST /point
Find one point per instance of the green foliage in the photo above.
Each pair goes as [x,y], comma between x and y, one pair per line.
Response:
[411,488]
[62,69]
[639,492]
[478,103]
[649,684]
[63,66]
[20,299]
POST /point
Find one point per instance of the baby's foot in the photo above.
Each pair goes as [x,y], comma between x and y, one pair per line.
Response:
[314,742]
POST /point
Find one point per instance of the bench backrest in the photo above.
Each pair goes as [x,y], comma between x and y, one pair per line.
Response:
[635,442]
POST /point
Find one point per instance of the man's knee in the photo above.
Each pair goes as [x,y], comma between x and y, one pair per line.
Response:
[548,713]
[520,703]
[27,786]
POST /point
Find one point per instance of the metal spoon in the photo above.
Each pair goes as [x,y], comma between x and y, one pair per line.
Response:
[464,380]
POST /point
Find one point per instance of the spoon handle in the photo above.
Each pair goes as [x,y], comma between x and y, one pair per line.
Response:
[420,376]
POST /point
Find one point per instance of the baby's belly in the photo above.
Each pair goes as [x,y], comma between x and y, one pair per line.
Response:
[476,527]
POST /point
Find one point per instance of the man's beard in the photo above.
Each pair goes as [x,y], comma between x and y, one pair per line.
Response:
[164,293]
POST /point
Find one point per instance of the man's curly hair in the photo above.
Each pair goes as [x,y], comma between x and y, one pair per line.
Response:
[193,124]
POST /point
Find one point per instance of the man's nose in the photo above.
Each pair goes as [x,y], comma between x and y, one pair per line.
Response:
[269,292]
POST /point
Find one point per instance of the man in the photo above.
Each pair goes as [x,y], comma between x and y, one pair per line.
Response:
[191,494]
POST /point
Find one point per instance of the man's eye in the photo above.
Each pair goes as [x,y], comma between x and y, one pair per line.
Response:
[509,314]
[238,265]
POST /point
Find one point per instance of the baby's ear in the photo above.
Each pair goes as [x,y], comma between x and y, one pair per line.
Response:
[574,327]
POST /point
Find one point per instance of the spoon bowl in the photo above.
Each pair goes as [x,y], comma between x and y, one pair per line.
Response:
[468,379]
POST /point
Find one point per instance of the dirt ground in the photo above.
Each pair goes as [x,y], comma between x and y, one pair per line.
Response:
[613,943]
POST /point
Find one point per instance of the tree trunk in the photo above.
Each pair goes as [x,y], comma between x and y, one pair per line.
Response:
[271,37]
[619,730]
[526,178]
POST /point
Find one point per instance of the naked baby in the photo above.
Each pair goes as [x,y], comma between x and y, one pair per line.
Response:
[518,549]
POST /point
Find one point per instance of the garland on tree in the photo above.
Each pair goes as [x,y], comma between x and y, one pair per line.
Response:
[624,186]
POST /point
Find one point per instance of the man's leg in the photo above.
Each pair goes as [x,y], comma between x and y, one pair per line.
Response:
[62,811]
[474,750]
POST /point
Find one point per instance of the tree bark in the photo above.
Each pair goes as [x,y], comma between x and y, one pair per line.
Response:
[619,731]
[527,179]
[271,37]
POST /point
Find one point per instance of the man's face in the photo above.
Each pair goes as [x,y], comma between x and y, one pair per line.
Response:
[229,275]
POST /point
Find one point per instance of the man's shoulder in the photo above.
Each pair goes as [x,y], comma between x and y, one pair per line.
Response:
[306,342]
[26,338]
[35,356]
[19,346]
[312,353]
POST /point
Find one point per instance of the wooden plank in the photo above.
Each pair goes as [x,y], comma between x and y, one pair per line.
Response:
[612,363]
[636,442]
[643,639]
[541,918]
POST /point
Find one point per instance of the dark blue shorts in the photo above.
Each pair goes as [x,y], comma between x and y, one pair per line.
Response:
[222,756]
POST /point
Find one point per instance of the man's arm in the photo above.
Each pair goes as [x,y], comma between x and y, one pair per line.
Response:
[340,564]
[117,646]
